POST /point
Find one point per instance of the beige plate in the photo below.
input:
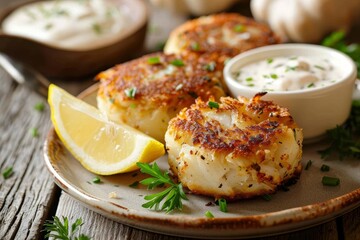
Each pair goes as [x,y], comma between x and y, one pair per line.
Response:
[307,203]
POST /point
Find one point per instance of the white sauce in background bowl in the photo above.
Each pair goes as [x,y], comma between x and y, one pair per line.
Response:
[288,73]
[69,24]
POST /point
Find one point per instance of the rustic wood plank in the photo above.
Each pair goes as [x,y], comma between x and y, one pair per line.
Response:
[351,223]
[25,197]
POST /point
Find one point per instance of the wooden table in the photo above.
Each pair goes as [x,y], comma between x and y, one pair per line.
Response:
[29,196]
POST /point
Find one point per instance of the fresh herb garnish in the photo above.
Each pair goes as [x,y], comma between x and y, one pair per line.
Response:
[177,63]
[345,139]
[167,200]
[208,214]
[239,28]
[310,85]
[130,92]
[330,181]
[134,184]
[274,76]
[153,60]
[34,132]
[97,28]
[210,66]
[249,79]
[337,40]
[96,180]
[269,60]
[58,229]
[195,46]
[39,107]
[325,168]
[308,165]
[7,172]
[223,205]
[212,104]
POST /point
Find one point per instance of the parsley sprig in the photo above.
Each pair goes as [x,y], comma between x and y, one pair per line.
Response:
[345,139]
[170,198]
[337,40]
[58,229]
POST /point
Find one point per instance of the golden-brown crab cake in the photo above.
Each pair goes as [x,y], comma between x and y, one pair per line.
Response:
[227,33]
[147,92]
[235,148]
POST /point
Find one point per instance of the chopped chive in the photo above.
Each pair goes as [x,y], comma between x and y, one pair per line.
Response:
[270,60]
[266,197]
[310,85]
[249,79]
[134,184]
[210,66]
[34,132]
[213,104]
[308,165]
[325,168]
[97,28]
[96,180]
[39,107]
[319,67]
[130,92]
[208,214]
[7,172]
[290,69]
[330,181]
[222,205]
[195,46]
[179,86]
[177,63]
[153,60]
[239,28]
[251,85]
[274,76]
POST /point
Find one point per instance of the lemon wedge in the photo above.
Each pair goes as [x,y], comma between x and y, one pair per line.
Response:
[101,146]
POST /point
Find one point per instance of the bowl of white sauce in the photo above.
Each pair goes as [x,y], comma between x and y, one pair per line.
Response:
[73,38]
[315,83]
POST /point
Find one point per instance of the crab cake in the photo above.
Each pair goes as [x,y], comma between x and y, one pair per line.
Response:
[228,34]
[147,92]
[237,148]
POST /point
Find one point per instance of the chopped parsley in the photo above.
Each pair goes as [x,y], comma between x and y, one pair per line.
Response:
[96,180]
[7,172]
[311,85]
[274,76]
[177,63]
[249,79]
[212,104]
[153,60]
[239,28]
[130,92]
[270,60]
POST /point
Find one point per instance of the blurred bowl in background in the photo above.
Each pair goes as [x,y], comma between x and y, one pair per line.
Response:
[59,62]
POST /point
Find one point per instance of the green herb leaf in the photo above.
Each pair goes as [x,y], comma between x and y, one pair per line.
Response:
[153,60]
[249,79]
[213,104]
[7,172]
[308,165]
[310,85]
[195,46]
[39,107]
[134,184]
[130,92]
[270,60]
[222,205]
[239,28]
[58,229]
[330,181]
[96,180]
[97,28]
[209,214]
[34,132]
[274,76]
[168,200]
[177,63]
[325,168]
[210,66]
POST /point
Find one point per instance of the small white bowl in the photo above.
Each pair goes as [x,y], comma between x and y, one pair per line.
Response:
[316,109]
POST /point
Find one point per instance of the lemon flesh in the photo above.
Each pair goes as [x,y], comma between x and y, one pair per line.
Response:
[101,146]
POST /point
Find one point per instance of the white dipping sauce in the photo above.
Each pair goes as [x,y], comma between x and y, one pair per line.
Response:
[69,24]
[288,73]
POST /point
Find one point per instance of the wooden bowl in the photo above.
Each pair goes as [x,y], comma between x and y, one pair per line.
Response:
[62,63]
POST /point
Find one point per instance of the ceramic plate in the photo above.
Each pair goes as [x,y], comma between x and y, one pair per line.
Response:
[305,204]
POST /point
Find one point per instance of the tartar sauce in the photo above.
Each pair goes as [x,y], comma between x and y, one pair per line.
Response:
[69,24]
[288,73]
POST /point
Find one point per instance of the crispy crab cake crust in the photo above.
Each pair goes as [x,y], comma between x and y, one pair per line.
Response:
[244,148]
[146,95]
[227,33]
